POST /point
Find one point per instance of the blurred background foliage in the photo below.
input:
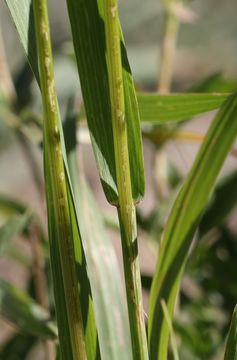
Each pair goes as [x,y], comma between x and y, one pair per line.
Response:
[205,60]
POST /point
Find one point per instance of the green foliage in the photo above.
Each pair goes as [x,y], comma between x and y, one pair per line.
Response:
[89,303]
[176,107]
[103,269]
[231,349]
[21,310]
[94,75]
[183,221]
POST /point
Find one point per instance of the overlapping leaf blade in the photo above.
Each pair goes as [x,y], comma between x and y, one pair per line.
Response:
[106,284]
[87,24]
[103,270]
[183,221]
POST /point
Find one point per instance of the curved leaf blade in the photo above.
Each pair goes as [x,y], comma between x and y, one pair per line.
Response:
[183,221]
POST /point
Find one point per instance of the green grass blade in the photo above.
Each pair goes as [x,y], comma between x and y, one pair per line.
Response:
[106,284]
[14,226]
[59,296]
[87,22]
[18,308]
[92,349]
[223,200]
[22,16]
[24,22]
[231,345]
[183,222]
[176,107]
[171,330]
[64,227]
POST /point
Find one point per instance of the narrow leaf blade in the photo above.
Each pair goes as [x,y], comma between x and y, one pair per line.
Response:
[231,345]
[14,226]
[87,22]
[18,308]
[157,108]
[183,221]
[22,16]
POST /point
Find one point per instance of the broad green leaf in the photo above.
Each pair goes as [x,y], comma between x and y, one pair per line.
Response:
[157,108]
[183,222]
[18,308]
[103,270]
[87,22]
[223,200]
[14,226]
[231,346]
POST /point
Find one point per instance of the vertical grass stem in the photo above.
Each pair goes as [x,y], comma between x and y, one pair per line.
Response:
[126,208]
[53,152]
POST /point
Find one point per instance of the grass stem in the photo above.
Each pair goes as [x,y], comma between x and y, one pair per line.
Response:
[55,165]
[168,48]
[126,208]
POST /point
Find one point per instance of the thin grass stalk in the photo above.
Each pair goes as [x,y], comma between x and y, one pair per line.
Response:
[55,164]
[168,47]
[126,208]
